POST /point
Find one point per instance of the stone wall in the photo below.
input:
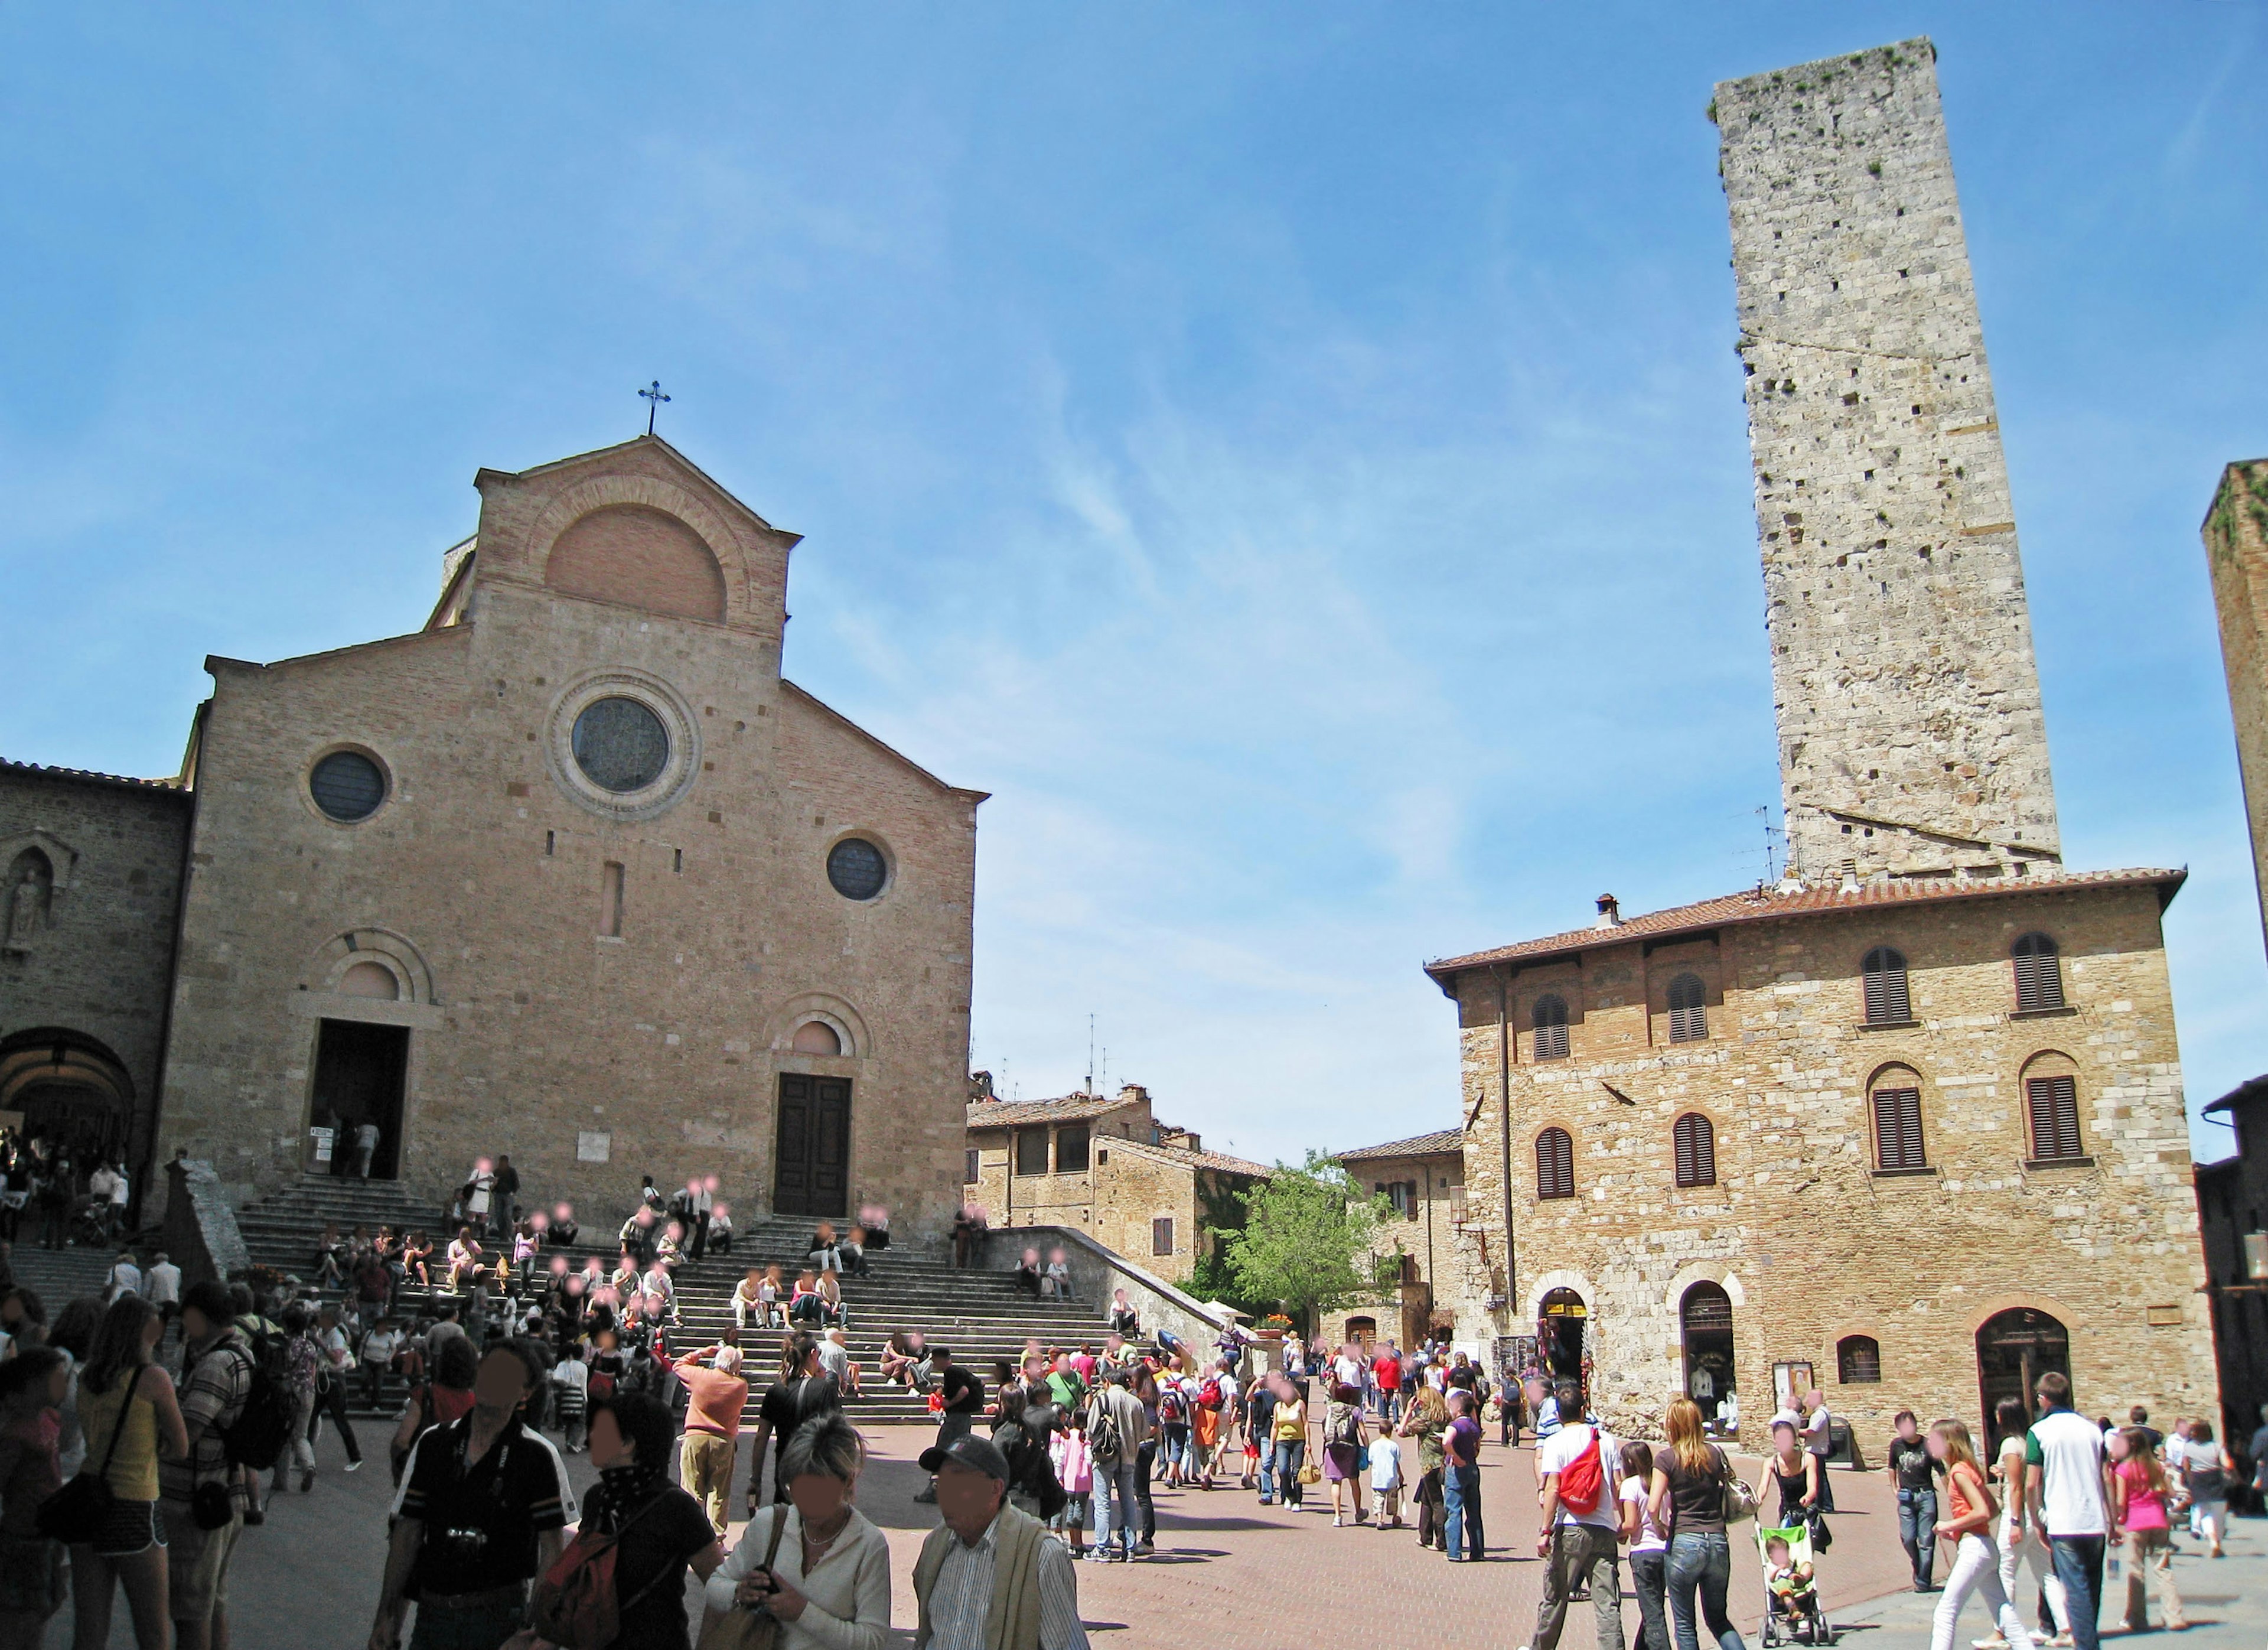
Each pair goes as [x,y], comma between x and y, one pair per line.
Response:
[2236,551]
[1810,1241]
[1097,1272]
[1911,738]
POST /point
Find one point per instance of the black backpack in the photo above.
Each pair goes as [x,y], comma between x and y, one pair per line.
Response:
[256,1439]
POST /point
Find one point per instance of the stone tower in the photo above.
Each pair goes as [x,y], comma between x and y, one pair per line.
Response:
[2237,550]
[1911,740]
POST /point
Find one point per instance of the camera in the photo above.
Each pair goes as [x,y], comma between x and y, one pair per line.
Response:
[465,1546]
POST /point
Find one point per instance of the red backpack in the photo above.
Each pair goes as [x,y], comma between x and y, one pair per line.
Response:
[1583,1480]
[575,1605]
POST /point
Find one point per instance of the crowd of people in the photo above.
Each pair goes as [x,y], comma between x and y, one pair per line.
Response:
[73,1199]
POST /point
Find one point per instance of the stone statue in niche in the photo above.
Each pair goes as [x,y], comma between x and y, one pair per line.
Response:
[30,881]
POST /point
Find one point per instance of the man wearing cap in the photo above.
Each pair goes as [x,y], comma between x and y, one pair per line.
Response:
[989,1577]
[715,1395]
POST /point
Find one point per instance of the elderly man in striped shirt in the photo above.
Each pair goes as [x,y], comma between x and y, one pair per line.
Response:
[990,1577]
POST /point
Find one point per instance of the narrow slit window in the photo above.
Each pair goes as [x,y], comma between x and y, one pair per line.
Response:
[2039,974]
[1161,1235]
[550,842]
[1694,1137]
[1886,1001]
[1555,1164]
[610,900]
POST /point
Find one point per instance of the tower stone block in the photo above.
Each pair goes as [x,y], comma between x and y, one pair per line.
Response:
[2237,550]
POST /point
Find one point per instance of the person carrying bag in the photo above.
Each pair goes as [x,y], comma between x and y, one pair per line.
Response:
[742,1628]
[77,1513]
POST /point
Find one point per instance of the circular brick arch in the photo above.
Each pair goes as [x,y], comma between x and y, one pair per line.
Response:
[602,492]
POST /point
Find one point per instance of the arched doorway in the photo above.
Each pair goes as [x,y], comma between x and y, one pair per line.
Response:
[1562,1323]
[1705,1318]
[70,1091]
[2014,1350]
[1362,1331]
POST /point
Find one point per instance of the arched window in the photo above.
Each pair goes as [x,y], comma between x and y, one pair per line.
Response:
[1886,1004]
[1550,1021]
[1696,1150]
[816,1036]
[1689,1013]
[1897,1120]
[1555,1164]
[2039,974]
[1859,1361]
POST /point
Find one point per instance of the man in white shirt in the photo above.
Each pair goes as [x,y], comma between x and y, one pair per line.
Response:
[2062,1457]
[954,1586]
[1578,1465]
[125,1277]
[162,1284]
[1819,1440]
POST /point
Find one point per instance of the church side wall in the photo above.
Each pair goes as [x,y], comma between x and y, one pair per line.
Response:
[1809,1241]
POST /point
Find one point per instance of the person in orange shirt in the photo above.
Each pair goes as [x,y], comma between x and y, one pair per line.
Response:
[716,1394]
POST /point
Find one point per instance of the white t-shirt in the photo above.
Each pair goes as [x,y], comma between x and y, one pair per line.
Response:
[379,1347]
[164,1283]
[1557,1453]
[2199,1457]
[573,1374]
[122,1191]
[1650,1539]
[1818,1434]
[835,1360]
[1385,1464]
[125,1279]
[2066,1451]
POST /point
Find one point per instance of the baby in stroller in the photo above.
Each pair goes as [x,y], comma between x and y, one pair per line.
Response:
[1792,1589]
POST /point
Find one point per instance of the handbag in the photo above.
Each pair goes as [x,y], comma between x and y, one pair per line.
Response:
[576,1603]
[757,1629]
[1310,1473]
[1822,1538]
[76,1512]
[1740,1501]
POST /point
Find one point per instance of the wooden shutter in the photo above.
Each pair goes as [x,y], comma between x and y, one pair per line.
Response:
[1555,1164]
[2054,1116]
[1550,1022]
[2039,975]
[1689,1015]
[1886,1003]
[1696,1151]
[1161,1235]
[1897,1128]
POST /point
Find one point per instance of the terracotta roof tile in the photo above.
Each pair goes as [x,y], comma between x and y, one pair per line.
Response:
[84,773]
[1013,1114]
[1761,905]
[1441,1141]
[1219,1161]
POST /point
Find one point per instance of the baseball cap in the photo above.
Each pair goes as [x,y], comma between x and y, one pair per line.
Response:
[971,1451]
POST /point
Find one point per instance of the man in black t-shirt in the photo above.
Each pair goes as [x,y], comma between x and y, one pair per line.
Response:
[482,1511]
[964,1401]
[1914,1473]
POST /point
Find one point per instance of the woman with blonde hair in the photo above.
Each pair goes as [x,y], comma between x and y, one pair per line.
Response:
[1687,1500]
[1971,1511]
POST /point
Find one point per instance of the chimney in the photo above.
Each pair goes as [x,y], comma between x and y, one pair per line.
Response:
[1610,912]
[1850,877]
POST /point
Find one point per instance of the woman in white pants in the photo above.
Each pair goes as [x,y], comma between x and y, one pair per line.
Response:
[2023,1542]
[1976,1567]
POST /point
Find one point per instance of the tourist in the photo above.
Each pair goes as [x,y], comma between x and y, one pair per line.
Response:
[1054,1282]
[1173,1430]
[1547,1415]
[1124,1320]
[1342,1445]
[2063,1458]
[1913,1472]
[302,1360]
[467,1260]
[1582,1521]
[193,1488]
[1386,1478]
[1288,1434]
[365,1147]
[571,1397]
[851,1252]
[1211,1401]
[802,1394]
[130,1414]
[1687,1498]
[806,1308]
[1073,1464]
[416,1258]
[446,1398]
[1386,1376]
[1118,1427]
[824,1257]
[2019,1540]
[162,1283]
[659,1530]
[905,1358]
[815,1562]
[2139,1492]
[749,1301]
[988,1576]
[2204,1469]
[1425,1422]
[32,1577]
[1819,1443]
[1460,1478]
[1260,1437]
[720,1230]
[335,1363]
[1975,1558]
[481,1194]
[1028,1273]
[716,1394]
[481,1513]
[125,1277]
[1797,1473]
[1649,1547]
[962,1400]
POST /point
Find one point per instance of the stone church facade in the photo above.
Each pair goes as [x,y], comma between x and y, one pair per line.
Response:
[1909,1125]
[573,874]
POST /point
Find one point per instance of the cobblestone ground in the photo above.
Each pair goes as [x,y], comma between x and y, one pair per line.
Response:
[1226,1568]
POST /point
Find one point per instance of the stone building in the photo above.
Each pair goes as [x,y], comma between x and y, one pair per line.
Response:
[1909,1125]
[1104,1165]
[1424,1178]
[87,915]
[573,874]
[2232,1213]
[2236,553]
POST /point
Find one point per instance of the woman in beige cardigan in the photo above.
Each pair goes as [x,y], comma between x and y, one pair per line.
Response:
[829,1578]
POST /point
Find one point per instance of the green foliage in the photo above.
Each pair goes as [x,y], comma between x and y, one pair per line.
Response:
[1308,1241]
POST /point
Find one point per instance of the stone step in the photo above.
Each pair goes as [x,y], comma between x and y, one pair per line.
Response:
[61,1276]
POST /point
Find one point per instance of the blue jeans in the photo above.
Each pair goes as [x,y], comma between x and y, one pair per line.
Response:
[1117,1505]
[477,1629]
[1289,1452]
[1701,1562]
[1917,1531]
[2079,1567]
[1267,1471]
[1460,1503]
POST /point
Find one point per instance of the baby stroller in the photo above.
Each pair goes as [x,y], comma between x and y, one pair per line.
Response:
[1790,1614]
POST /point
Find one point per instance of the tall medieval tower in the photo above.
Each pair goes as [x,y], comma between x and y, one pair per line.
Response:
[1911,738]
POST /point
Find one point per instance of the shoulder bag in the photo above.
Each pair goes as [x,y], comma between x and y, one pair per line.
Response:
[576,1603]
[1739,1502]
[76,1512]
[753,1628]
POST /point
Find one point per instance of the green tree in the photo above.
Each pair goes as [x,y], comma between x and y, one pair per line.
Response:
[1308,1241]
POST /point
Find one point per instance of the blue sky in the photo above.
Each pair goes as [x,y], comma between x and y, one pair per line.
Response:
[1293,457]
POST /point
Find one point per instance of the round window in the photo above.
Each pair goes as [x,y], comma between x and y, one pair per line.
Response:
[347,785]
[620,745]
[856,868]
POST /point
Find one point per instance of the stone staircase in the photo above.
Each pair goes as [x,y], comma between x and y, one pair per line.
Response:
[61,1276]
[981,1315]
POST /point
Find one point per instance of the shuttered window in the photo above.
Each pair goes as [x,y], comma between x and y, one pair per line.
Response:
[1885,972]
[2054,1116]
[970,1174]
[1031,1151]
[2039,974]
[1550,1021]
[1897,1128]
[1161,1235]
[1696,1151]
[1689,1013]
[1555,1164]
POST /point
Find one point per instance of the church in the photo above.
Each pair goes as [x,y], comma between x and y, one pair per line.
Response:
[572,873]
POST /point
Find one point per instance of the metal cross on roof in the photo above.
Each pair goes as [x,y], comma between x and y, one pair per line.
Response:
[654,398]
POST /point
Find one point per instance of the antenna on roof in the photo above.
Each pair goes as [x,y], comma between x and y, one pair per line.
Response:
[1090,1054]
[1771,831]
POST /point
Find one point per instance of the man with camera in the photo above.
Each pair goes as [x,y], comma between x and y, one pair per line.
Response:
[482,1511]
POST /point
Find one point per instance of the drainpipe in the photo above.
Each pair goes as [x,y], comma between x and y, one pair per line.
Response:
[1503,1092]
